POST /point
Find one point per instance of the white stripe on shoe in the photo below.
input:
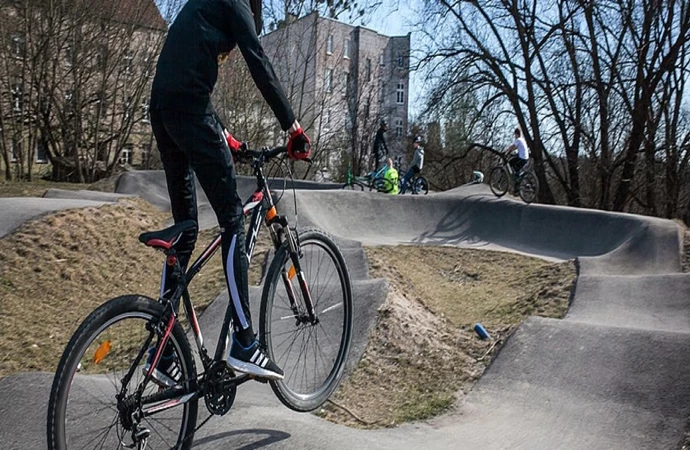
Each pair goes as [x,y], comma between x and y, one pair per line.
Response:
[256,355]
[252,369]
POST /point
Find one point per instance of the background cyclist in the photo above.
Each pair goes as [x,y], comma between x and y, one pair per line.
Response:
[380,147]
[519,160]
[391,176]
[417,163]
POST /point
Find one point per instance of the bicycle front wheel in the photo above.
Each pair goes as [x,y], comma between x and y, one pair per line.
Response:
[84,411]
[312,355]
[529,187]
[499,181]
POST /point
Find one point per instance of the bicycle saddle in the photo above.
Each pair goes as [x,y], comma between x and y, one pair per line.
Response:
[168,237]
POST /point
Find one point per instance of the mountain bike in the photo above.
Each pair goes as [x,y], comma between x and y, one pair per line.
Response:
[103,395]
[415,185]
[524,183]
[373,181]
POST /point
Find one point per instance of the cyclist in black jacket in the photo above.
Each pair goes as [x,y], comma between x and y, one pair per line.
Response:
[380,147]
[190,138]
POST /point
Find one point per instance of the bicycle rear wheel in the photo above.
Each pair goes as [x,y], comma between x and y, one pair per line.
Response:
[420,186]
[499,181]
[84,412]
[529,187]
[311,355]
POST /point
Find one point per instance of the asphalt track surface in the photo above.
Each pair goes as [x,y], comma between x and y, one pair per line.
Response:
[611,375]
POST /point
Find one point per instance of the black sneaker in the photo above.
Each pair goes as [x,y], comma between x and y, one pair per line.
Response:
[253,361]
[167,374]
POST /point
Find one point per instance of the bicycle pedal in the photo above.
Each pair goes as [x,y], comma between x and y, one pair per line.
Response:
[259,379]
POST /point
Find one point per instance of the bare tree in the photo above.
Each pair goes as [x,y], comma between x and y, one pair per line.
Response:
[81,82]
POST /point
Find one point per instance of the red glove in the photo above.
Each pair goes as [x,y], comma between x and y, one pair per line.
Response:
[233,143]
[299,145]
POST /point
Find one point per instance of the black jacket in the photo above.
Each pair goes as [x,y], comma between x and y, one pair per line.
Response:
[380,147]
[187,68]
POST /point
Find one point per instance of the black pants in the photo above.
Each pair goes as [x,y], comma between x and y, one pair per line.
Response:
[195,142]
[517,164]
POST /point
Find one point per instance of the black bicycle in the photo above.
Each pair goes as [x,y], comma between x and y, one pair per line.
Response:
[103,395]
[523,183]
[415,185]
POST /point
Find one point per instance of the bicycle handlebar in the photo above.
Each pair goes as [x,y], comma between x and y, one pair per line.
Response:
[265,154]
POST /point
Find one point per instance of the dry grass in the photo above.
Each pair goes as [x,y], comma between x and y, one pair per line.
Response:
[38,187]
[423,353]
[55,270]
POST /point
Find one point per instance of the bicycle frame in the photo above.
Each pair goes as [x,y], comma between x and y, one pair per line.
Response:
[262,208]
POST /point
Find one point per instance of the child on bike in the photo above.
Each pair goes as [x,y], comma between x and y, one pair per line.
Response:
[391,176]
[191,140]
[417,163]
[518,161]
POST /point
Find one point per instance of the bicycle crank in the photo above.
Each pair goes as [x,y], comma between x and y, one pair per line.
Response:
[219,397]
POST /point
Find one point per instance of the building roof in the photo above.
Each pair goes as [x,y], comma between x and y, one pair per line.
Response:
[319,17]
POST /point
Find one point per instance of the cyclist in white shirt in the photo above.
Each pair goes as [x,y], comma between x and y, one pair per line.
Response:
[518,161]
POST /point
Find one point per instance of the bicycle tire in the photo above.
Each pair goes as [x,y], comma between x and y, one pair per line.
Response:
[273,325]
[420,186]
[65,387]
[499,181]
[382,185]
[528,188]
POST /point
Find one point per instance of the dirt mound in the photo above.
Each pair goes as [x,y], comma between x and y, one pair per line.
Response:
[423,354]
[55,270]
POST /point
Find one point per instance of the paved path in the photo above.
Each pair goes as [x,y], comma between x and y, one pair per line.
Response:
[611,375]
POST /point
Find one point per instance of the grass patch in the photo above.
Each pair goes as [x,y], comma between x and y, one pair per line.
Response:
[56,269]
[38,187]
[423,354]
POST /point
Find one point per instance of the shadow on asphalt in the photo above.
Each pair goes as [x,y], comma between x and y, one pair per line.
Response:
[260,438]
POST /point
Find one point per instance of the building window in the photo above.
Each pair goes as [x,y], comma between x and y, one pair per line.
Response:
[18,46]
[398,128]
[346,50]
[145,112]
[126,154]
[17,98]
[102,56]
[16,148]
[326,121]
[382,60]
[401,59]
[69,56]
[328,80]
[102,102]
[127,61]
[366,108]
[367,69]
[41,153]
[400,93]
[345,78]
[329,45]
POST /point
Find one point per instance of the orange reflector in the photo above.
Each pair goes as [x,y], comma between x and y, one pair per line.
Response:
[271,214]
[102,352]
[291,273]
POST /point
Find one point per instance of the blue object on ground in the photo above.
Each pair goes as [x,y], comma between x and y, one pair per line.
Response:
[481,331]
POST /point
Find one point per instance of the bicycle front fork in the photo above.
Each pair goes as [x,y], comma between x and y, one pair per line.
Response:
[288,275]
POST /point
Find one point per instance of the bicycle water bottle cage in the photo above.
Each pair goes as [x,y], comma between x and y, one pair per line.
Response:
[165,239]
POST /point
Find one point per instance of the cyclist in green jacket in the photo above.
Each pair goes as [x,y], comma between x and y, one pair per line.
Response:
[391,175]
